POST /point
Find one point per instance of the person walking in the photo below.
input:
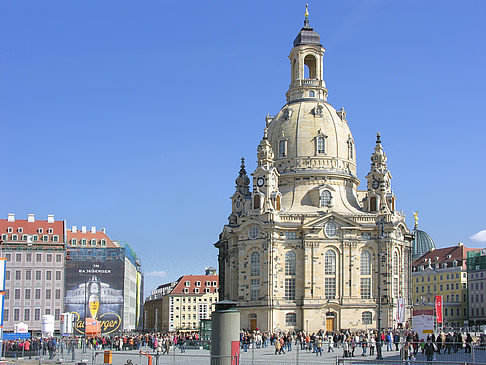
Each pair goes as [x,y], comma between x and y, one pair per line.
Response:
[318,343]
[429,350]
[330,344]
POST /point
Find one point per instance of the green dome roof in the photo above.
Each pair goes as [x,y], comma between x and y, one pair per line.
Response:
[422,243]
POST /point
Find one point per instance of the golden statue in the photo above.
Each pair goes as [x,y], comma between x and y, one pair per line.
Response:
[416,218]
[306,11]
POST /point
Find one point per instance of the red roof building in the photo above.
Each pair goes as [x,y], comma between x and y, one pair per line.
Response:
[88,238]
[34,277]
[182,304]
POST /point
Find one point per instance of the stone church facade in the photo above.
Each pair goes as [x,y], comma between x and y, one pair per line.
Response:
[300,250]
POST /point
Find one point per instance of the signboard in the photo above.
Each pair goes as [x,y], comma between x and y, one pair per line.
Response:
[21,327]
[94,291]
[423,322]
[438,308]
[16,336]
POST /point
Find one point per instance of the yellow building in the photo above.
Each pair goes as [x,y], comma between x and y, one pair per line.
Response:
[443,272]
[180,305]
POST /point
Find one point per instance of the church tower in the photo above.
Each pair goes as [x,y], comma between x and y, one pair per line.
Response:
[300,250]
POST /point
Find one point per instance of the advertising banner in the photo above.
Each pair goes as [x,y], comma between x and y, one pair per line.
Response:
[438,308]
[94,292]
[423,323]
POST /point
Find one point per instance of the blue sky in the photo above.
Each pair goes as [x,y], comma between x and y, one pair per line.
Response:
[134,115]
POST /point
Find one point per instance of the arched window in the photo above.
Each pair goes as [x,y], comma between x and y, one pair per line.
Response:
[312,94]
[330,263]
[103,242]
[310,66]
[330,274]
[255,264]
[295,72]
[256,201]
[350,149]
[367,318]
[93,242]
[365,280]
[74,241]
[320,145]
[277,202]
[282,148]
[291,319]
[290,263]
[396,283]
[365,263]
[325,198]
[373,204]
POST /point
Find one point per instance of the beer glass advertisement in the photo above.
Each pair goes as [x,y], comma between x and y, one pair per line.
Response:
[94,294]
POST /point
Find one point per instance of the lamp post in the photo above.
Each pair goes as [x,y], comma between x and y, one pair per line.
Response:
[381,228]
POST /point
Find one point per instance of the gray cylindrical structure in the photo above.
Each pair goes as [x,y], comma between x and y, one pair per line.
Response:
[225,331]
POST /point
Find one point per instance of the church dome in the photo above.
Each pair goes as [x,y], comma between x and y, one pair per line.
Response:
[310,136]
[422,243]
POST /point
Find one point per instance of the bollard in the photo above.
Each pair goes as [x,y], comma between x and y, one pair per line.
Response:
[108,358]
[225,333]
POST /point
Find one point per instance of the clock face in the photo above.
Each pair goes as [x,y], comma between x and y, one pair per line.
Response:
[375,184]
[260,181]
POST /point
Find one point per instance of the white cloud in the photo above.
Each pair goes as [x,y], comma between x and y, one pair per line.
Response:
[480,236]
[157,274]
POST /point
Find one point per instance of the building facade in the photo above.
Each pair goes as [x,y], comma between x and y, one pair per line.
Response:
[301,248]
[182,304]
[103,281]
[34,277]
[443,272]
[476,277]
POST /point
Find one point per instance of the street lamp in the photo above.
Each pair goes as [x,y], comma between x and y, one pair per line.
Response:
[380,235]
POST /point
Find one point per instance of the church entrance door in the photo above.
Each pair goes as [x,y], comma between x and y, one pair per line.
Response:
[330,324]
[253,321]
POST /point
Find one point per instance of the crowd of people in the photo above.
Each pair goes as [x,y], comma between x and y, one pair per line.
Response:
[363,343]
[407,343]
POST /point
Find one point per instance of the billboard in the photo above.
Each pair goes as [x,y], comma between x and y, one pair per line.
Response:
[94,292]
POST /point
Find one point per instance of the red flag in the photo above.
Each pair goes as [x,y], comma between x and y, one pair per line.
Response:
[438,308]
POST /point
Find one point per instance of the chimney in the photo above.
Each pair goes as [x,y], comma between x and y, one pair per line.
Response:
[460,244]
[74,229]
[93,229]
[83,229]
[50,218]
[11,217]
[103,230]
[31,218]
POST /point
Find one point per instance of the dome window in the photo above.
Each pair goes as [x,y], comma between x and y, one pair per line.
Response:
[312,94]
[310,66]
[325,199]
[373,204]
[282,148]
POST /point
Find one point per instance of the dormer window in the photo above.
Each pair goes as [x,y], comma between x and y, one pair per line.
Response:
[40,230]
[15,237]
[50,231]
[84,242]
[320,145]
[20,230]
[74,241]
[35,238]
[282,148]
[196,290]
[55,238]
[185,290]
[24,237]
[9,229]
[45,238]
[103,242]
[325,198]
[93,242]
[188,283]
[198,283]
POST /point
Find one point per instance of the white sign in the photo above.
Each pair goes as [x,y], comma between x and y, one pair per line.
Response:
[423,324]
[21,327]
[47,325]
[3,263]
